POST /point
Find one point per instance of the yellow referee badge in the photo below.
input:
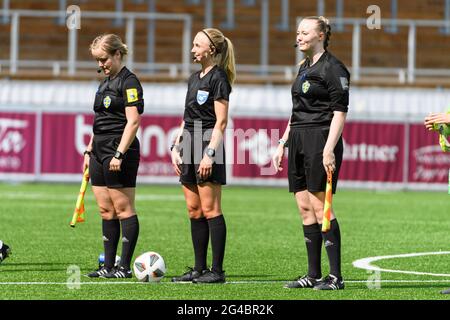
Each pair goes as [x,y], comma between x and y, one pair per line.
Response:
[132,95]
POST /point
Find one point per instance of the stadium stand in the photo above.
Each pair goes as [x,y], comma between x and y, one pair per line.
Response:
[385,50]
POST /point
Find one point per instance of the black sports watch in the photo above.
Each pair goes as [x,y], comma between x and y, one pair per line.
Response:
[210,152]
[118,155]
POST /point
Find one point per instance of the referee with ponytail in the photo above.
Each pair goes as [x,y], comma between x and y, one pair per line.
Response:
[320,97]
[198,154]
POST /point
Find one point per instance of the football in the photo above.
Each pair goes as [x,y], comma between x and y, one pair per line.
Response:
[149,267]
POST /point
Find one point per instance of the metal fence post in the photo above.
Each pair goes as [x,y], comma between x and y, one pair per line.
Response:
[5,18]
[229,23]
[14,49]
[72,52]
[264,51]
[208,13]
[339,15]
[130,42]
[186,53]
[411,52]
[356,51]
[151,27]
[284,23]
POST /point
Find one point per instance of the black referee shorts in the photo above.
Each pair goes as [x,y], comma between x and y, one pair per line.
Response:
[103,149]
[193,146]
[305,159]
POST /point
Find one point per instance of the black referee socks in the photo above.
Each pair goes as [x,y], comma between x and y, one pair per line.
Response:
[200,239]
[111,235]
[313,241]
[218,231]
[130,233]
[332,242]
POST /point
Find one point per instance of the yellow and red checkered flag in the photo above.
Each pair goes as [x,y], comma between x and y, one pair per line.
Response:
[78,213]
[326,224]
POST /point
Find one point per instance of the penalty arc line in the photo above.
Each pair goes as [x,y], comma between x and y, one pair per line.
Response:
[366,263]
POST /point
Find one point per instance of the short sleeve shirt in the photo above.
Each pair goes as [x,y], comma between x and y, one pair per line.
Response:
[200,97]
[318,91]
[111,99]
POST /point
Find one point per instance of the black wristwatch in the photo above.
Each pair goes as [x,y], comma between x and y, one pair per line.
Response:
[118,155]
[87,152]
[210,152]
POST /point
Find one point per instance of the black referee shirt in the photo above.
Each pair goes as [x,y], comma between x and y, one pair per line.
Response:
[200,97]
[319,90]
[111,99]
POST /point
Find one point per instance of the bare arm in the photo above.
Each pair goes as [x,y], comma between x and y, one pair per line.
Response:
[336,128]
[87,154]
[221,110]
[128,136]
[132,126]
[278,156]
[175,153]
[180,133]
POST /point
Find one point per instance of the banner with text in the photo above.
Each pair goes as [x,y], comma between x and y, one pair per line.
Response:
[17,142]
[373,151]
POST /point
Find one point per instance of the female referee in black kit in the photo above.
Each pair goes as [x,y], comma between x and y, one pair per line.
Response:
[198,154]
[320,96]
[113,153]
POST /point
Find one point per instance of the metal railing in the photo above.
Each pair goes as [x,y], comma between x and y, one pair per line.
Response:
[404,74]
[72,63]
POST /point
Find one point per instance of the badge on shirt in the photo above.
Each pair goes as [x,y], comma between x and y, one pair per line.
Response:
[202,96]
[132,95]
[107,102]
[305,86]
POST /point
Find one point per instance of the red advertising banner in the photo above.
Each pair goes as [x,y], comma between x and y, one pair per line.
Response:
[17,142]
[427,162]
[156,135]
[255,141]
[373,152]
[65,137]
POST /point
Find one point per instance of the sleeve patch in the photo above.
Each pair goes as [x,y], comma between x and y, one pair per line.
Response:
[344,83]
[132,95]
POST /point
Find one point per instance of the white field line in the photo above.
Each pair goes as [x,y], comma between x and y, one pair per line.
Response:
[366,263]
[72,284]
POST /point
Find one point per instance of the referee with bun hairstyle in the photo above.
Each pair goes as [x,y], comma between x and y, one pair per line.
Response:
[320,96]
[113,153]
[198,154]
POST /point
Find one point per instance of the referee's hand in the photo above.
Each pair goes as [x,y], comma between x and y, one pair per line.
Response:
[86,162]
[176,161]
[329,161]
[433,118]
[205,168]
[114,165]
[277,158]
